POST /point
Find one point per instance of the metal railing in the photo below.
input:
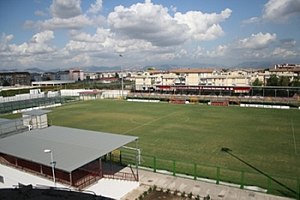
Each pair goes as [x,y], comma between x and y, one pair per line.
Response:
[244,179]
[120,176]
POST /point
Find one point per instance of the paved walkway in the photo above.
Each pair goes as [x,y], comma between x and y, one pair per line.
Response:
[216,192]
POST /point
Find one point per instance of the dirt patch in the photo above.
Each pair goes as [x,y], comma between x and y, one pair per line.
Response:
[163,195]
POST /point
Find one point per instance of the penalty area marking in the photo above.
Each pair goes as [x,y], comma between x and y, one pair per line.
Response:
[294,137]
[150,122]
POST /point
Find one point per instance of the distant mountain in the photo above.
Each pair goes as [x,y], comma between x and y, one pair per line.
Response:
[9,70]
[101,69]
[255,65]
[164,67]
[177,66]
[34,70]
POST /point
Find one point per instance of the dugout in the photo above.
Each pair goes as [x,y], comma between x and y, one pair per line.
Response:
[78,154]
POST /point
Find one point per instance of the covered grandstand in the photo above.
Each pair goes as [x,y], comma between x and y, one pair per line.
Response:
[79,155]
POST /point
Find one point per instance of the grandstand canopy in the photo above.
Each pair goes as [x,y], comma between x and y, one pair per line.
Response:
[72,148]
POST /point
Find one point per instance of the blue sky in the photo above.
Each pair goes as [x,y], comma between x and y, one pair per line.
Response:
[75,33]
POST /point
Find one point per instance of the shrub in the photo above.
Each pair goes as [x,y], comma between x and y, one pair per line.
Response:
[145,193]
[176,192]
[154,187]
[183,194]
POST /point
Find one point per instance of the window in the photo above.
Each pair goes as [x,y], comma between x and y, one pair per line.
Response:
[1,179]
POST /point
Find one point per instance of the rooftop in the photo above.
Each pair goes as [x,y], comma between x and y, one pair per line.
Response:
[71,148]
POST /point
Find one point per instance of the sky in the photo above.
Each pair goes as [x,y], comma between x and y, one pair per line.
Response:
[52,34]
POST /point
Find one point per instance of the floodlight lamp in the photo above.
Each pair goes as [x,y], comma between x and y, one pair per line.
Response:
[225,149]
[47,151]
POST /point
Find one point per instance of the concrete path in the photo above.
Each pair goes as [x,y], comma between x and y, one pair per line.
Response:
[216,192]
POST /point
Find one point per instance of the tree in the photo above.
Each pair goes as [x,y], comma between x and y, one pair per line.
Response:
[257,82]
[284,81]
[295,82]
[273,80]
[5,83]
[150,68]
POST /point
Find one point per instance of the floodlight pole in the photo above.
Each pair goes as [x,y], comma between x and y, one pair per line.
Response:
[122,79]
[52,164]
[122,84]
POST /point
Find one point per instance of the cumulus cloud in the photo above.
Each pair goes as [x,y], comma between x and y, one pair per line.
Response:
[65,8]
[257,41]
[221,50]
[37,45]
[283,53]
[67,14]
[5,39]
[42,37]
[67,23]
[173,8]
[288,43]
[99,37]
[251,20]
[259,46]
[148,22]
[40,13]
[203,26]
[144,33]
[96,7]
[106,40]
[153,23]
[275,10]
[36,51]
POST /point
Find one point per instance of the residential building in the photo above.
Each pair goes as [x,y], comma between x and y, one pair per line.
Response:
[286,66]
[193,77]
[231,78]
[76,74]
[91,76]
[291,73]
[14,78]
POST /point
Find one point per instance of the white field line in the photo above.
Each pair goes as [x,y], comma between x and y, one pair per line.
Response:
[294,137]
[147,123]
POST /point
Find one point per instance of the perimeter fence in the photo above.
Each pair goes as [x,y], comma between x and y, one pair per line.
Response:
[11,106]
[247,179]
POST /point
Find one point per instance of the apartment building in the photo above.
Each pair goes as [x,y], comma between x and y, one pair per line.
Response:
[291,73]
[231,78]
[193,77]
[196,77]
[14,78]
[76,75]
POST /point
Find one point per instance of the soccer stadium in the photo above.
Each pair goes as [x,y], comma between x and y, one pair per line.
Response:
[241,147]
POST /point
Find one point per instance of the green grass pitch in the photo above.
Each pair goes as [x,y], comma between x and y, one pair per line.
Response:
[269,139]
